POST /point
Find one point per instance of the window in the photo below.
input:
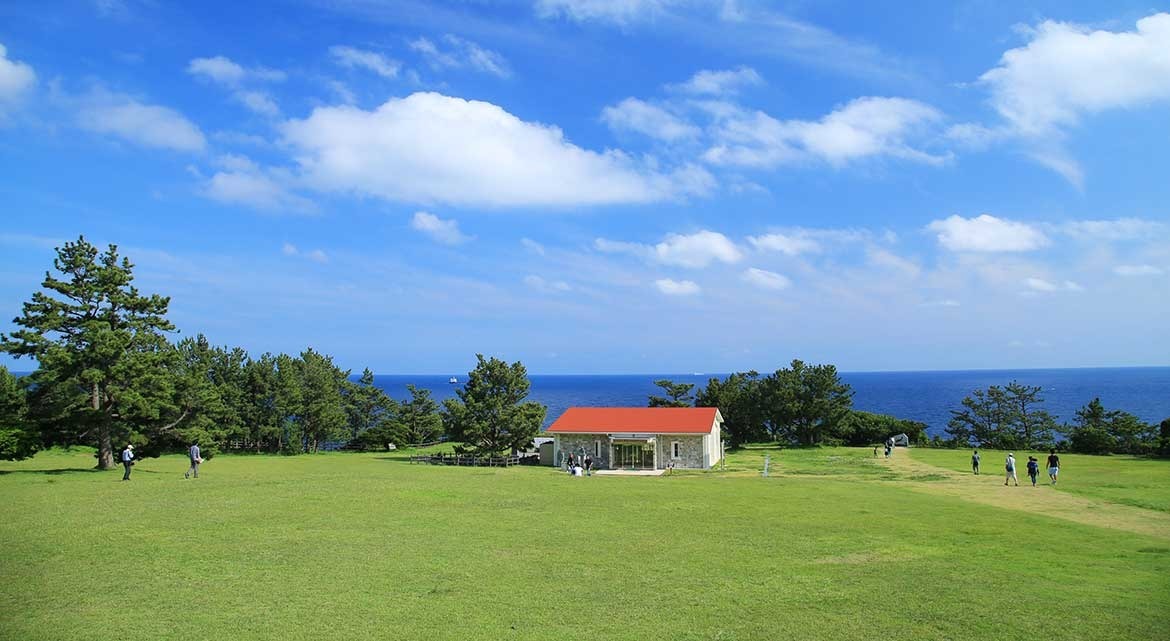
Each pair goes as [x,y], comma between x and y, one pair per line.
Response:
[675,449]
[596,449]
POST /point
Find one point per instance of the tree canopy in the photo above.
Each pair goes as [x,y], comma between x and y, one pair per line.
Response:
[490,414]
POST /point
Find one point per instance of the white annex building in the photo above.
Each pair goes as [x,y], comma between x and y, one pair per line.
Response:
[639,438]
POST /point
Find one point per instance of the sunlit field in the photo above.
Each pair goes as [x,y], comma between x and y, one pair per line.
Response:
[835,544]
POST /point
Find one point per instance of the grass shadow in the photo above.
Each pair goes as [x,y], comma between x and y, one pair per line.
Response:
[53,472]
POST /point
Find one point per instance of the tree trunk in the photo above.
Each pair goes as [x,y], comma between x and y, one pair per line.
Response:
[105,447]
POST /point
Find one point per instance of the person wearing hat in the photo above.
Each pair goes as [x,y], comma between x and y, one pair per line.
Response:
[1010,467]
[127,460]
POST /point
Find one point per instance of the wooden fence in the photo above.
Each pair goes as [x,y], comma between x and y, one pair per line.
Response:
[466,460]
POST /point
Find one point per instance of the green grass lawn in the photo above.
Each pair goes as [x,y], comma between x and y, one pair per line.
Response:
[366,546]
[1127,480]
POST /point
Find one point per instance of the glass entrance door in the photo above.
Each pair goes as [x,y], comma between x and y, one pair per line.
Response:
[633,456]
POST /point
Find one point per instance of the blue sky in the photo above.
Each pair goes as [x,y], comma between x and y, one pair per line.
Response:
[607,185]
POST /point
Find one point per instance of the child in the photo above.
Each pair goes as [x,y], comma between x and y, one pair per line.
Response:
[1033,469]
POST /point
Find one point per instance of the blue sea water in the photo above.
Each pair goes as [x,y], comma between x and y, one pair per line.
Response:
[928,397]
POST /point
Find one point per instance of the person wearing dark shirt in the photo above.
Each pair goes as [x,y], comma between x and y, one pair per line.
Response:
[1053,465]
[975,461]
[1033,469]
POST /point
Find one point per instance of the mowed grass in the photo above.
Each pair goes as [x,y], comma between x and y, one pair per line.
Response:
[1125,480]
[349,546]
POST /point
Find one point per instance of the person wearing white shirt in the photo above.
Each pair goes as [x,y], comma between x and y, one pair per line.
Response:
[1010,468]
[127,460]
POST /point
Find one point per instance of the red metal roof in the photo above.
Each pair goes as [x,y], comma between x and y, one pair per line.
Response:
[659,420]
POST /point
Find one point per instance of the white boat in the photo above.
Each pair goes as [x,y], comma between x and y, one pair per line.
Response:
[452,380]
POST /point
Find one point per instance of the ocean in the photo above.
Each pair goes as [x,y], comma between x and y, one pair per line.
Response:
[928,397]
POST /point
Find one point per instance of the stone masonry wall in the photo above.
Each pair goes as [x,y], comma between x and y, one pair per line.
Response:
[570,443]
[690,451]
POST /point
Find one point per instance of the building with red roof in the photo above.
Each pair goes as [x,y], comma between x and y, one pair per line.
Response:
[639,438]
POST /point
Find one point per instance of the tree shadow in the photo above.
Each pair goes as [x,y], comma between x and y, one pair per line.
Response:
[53,472]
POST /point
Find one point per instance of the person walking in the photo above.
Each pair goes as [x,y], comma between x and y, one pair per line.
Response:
[1053,465]
[1033,469]
[127,460]
[588,465]
[193,454]
[1010,467]
[975,462]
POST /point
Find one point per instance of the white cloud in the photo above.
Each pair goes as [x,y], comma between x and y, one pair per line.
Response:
[1067,70]
[370,60]
[699,249]
[863,128]
[16,77]
[677,287]
[892,262]
[1138,270]
[1041,285]
[139,123]
[462,53]
[243,182]
[545,286]
[946,302]
[719,83]
[224,71]
[259,102]
[429,148]
[1115,230]
[443,231]
[986,233]
[532,246]
[789,245]
[617,11]
[765,279]
[641,117]
[316,255]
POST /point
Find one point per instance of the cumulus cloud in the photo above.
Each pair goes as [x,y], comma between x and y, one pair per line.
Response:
[986,233]
[696,250]
[789,245]
[765,279]
[677,287]
[644,118]
[443,231]
[719,83]
[430,148]
[863,128]
[461,53]
[142,124]
[1138,270]
[16,78]
[800,240]
[240,181]
[1067,70]
[352,57]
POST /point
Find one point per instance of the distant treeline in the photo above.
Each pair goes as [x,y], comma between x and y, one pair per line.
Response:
[108,376]
[809,405]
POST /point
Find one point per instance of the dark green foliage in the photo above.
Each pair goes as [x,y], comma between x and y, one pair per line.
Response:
[1164,438]
[677,394]
[103,362]
[1003,418]
[490,414]
[805,404]
[867,428]
[367,407]
[1101,431]
[739,402]
[18,438]
[418,418]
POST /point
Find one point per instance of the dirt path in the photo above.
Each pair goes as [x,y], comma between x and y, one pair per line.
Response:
[989,489]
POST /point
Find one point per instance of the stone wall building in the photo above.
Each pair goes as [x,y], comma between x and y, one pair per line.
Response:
[639,438]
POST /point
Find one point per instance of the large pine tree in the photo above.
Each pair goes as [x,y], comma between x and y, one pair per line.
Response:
[103,360]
